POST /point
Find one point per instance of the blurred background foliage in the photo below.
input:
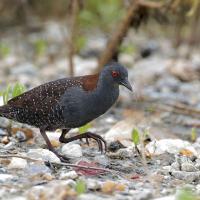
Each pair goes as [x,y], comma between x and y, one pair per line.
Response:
[175,15]
[176,20]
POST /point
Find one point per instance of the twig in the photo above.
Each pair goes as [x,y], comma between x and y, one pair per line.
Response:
[118,35]
[122,30]
[179,109]
[151,4]
[73,34]
[57,163]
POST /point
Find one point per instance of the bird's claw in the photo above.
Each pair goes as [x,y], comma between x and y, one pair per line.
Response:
[100,141]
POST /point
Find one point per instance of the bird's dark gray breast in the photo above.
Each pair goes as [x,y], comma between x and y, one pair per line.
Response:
[81,107]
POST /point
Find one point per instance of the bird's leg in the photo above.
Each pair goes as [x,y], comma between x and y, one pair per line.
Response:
[50,147]
[88,135]
[62,137]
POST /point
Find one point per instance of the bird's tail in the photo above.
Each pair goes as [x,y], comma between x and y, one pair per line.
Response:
[5,111]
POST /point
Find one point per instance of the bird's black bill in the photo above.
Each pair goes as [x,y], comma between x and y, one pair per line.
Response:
[126,83]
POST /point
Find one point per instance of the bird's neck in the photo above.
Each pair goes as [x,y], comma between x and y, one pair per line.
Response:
[107,90]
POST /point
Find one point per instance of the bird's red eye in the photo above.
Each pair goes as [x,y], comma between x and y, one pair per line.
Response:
[115,74]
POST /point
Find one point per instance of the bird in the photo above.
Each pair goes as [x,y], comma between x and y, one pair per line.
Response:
[69,103]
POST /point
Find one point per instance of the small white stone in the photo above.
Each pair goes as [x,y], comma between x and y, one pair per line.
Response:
[167,168]
[175,166]
[120,131]
[93,184]
[1,100]
[198,189]
[43,154]
[186,176]
[17,163]
[69,175]
[53,135]
[173,146]
[188,167]
[5,177]
[166,198]
[70,182]
[72,150]
[18,198]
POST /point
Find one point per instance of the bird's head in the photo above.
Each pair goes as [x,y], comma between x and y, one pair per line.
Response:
[117,73]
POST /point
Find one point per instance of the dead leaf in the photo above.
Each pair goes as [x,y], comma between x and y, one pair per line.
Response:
[110,186]
[88,172]
[28,132]
[186,152]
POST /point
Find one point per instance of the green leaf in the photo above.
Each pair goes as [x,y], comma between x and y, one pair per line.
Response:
[127,49]
[146,133]
[6,94]
[186,194]
[84,128]
[18,89]
[80,43]
[40,47]
[11,92]
[193,134]
[135,136]
[80,187]
[4,50]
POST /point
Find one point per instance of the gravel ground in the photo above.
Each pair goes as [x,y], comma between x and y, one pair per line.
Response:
[165,104]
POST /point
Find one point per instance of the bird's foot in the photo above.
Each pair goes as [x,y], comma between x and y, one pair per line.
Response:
[100,141]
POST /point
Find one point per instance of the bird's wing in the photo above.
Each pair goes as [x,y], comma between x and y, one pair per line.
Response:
[47,95]
[48,92]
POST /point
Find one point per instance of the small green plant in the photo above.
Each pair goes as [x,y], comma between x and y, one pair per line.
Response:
[80,43]
[98,14]
[151,109]
[11,92]
[135,136]
[84,128]
[193,135]
[186,194]
[40,47]
[4,50]
[80,187]
[127,49]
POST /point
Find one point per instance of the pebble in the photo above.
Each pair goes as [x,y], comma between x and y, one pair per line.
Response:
[188,167]
[93,184]
[17,163]
[93,196]
[175,166]
[115,145]
[53,135]
[10,145]
[120,131]
[1,100]
[102,160]
[5,140]
[173,146]
[5,177]
[3,132]
[171,197]
[5,123]
[70,182]
[20,135]
[186,176]
[69,175]
[121,154]
[72,150]
[36,168]
[43,154]
[141,195]
[198,189]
